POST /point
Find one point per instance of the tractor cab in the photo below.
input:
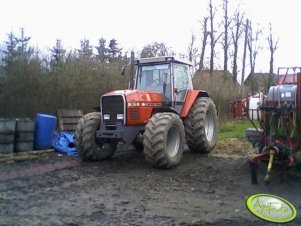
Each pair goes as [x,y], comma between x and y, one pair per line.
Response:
[167,75]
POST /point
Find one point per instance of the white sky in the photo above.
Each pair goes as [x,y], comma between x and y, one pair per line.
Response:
[135,23]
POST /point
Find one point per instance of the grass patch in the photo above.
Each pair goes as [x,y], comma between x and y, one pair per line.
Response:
[234,129]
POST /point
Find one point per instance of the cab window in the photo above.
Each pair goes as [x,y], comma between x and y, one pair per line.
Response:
[156,78]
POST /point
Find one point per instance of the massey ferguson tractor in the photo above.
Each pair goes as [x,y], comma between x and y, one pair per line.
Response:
[159,115]
[279,135]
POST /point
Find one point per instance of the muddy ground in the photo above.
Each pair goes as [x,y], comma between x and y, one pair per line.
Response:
[202,190]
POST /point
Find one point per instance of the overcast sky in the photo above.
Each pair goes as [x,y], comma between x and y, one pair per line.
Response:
[135,23]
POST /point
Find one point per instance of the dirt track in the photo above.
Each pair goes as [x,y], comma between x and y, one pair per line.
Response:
[202,190]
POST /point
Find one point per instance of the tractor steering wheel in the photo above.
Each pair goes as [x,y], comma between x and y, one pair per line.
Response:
[156,82]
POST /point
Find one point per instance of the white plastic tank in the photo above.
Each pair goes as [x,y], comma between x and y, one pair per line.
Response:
[285,92]
[254,102]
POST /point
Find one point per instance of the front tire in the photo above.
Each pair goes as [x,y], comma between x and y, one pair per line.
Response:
[85,139]
[201,125]
[164,140]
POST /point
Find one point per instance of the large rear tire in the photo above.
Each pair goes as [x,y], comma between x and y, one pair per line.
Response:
[201,125]
[85,140]
[164,140]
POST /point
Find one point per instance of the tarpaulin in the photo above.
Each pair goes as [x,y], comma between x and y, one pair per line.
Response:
[63,142]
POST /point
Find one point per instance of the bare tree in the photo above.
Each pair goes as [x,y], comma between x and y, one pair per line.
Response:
[273,47]
[213,39]
[204,43]
[192,51]
[246,30]
[254,47]
[236,34]
[226,40]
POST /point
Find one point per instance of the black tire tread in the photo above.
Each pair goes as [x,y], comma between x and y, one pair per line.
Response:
[85,141]
[195,125]
[154,140]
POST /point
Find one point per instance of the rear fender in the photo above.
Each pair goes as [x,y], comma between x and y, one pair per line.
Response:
[190,99]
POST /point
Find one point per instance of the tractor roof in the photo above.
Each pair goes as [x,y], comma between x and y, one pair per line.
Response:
[163,59]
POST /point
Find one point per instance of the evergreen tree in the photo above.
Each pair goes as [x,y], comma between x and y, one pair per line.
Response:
[17,54]
[85,50]
[114,51]
[102,50]
[57,55]
[24,53]
[23,48]
[9,53]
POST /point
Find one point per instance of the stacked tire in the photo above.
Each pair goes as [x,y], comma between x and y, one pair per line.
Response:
[7,135]
[24,139]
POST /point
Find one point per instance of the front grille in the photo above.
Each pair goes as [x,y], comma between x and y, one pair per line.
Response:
[112,105]
[134,113]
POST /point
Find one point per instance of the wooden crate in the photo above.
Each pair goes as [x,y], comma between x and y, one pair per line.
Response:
[68,118]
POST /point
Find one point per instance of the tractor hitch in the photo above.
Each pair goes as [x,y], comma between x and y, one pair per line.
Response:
[286,160]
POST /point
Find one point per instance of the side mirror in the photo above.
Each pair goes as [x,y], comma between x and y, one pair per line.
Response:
[123,71]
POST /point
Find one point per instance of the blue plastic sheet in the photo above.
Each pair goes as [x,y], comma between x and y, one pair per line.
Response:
[63,142]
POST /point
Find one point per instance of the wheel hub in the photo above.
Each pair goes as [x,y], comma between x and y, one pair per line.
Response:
[209,126]
[173,141]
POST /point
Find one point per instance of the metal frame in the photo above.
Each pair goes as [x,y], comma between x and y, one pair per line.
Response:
[280,148]
[127,134]
[164,60]
[154,60]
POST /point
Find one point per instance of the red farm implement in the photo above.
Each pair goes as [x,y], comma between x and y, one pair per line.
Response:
[247,107]
[279,136]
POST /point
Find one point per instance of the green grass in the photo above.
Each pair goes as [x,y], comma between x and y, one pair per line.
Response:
[234,129]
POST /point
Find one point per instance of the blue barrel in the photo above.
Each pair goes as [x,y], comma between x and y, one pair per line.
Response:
[44,131]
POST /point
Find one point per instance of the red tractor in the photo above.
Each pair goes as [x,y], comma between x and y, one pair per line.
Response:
[159,115]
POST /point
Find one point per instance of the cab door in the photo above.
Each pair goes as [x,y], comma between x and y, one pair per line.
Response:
[182,83]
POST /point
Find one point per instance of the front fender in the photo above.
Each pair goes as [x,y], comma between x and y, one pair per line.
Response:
[190,98]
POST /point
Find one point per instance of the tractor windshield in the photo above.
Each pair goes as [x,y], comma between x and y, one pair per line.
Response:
[155,78]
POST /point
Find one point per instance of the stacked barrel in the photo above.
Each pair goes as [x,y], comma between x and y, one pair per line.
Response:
[19,135]
[24,138]
[7,135]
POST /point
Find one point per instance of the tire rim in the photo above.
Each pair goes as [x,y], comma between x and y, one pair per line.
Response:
[173,141]
[209,125]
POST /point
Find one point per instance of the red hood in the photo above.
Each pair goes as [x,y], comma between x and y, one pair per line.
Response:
[139,95]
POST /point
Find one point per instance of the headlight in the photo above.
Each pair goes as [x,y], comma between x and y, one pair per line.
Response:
[119,116]
[106,117]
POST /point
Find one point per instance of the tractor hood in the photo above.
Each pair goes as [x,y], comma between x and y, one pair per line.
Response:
[139,95]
